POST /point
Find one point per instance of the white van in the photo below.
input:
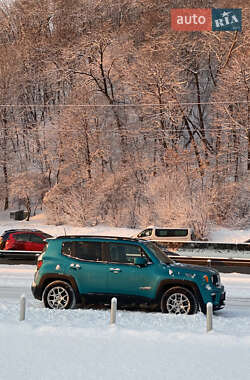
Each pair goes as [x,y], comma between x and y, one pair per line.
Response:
[166,234]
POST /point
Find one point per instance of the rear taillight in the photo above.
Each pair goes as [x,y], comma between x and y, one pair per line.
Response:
[7,244]
[39,264]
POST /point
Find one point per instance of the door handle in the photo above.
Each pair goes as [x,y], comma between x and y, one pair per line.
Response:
[75,266]
[115,270]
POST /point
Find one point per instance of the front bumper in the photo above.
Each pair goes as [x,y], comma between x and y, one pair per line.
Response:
[221,304]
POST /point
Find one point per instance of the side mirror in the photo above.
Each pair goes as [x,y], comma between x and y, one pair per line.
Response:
[141,261]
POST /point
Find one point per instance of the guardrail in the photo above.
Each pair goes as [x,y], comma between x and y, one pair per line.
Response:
[221,264]
[18,257]
[225,257]
[207,249]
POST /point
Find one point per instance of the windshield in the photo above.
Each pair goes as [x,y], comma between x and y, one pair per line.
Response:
[161,256]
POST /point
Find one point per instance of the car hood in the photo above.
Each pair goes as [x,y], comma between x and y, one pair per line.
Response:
[191,268]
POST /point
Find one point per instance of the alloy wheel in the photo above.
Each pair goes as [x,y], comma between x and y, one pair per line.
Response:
[178,303]
[58,298]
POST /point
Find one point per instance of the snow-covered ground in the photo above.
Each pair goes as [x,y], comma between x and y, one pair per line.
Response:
[81,344]
[227,235]
[217,234]
[39,222]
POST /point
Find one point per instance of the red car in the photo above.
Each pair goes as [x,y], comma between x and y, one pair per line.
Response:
[23,240]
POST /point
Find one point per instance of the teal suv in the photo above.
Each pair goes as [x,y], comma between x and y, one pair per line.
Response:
[78,270]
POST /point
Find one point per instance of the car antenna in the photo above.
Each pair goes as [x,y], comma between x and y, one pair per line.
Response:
[64,231]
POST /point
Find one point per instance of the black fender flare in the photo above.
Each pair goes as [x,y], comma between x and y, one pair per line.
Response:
[50,277]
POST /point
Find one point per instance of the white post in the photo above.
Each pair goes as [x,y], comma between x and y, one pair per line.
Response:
[113,310]
[209,316]
[22,308]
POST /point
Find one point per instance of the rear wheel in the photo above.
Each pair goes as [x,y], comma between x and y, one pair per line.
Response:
[59,295]
[178,300]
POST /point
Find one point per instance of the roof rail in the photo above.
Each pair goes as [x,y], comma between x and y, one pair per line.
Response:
[96,237]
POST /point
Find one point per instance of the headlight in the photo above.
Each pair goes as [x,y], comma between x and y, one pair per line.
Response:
[216,280]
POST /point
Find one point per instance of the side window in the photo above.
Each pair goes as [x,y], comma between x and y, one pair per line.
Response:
[124,253]
[171,232]
[83,250]
[147,232]
[21,237]
[36,238]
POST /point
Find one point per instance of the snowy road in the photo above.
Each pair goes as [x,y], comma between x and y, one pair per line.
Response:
[17,280]
[7,292]
[238,303]
[13,294]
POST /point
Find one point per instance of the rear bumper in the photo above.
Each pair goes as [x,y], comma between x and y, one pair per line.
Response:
[36,291]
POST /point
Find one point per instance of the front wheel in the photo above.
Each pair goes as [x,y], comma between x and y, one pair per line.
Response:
[59,295]
[178,300]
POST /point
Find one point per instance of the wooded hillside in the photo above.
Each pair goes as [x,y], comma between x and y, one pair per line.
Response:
[109,116]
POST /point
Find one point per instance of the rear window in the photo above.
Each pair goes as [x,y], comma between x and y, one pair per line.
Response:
[36,238]
[171,232]
[6,235]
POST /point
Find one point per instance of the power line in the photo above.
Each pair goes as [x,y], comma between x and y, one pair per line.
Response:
[126,104]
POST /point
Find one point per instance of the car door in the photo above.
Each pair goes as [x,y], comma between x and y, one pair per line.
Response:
[21,240]
[85,263]
[35,243]
[126,278]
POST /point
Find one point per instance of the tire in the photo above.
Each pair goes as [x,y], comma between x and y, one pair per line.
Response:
[178,300]
[59,295]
